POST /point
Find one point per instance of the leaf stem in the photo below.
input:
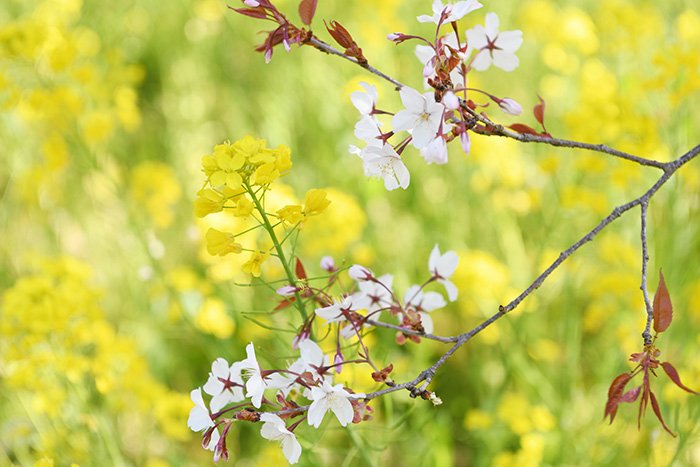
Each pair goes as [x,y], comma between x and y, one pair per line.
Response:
[267,225]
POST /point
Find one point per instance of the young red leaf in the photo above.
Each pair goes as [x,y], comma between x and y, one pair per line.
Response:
[521,128]
[539,111]
[673,374]
[657,411]
[663,310]
[340,34]
[631,395]
[285,303]
[307,9]
[300,271]
[256,12]
[615,394]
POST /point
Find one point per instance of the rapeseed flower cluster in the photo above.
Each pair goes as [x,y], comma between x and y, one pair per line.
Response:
[239,175]
[72,380]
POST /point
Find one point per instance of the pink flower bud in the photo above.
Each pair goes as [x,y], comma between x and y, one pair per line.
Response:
[252,3]
[328,264]
[510,106]
[286,290]
[450,100]
[394,36]
[360,273]
[338,361]
[465,142]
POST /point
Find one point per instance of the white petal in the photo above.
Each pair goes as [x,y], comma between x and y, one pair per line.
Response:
[412,99]
[330,313]
[491,25]
[213,386]
[311,353]
[404,120]
[510,41]
[505,60]
[427,322]
[451,289]
[291,448]
[432,301]
[434,258]
[215,436]
[199,419]
[220,368]
[447,264]
[402,174]
[342,408]
[413,295]
[476,37]
[424,53]
[220,400]
[482,60]
[317,411]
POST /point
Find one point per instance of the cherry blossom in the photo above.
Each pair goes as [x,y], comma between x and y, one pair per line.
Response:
[200,419]
[275,429]
[334,398]
[365,101]
[224,384]
[383,162]
[452,11]
[442,267]
[435,152]
[333,313]
[422,116]
[494,47]
[374,295]
[423,303]
[256,384]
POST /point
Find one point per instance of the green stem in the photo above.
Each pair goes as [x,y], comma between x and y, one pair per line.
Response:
[267,225]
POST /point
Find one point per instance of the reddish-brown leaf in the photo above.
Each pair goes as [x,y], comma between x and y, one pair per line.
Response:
[300,271]
[256,12]
[615,393]
[663,310]
[673,374]
[539,111]
[307,9]
[657,411]
[285,303]
[521,128]
[631,395]
[340,34]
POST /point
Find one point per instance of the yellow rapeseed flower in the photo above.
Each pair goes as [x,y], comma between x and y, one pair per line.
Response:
[208,201]
[252,266]
[291,214]
[221,243]
[315,202]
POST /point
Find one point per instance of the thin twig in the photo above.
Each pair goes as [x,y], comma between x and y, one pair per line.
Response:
[329,49]
[497,129]
[645,259]
[412,332]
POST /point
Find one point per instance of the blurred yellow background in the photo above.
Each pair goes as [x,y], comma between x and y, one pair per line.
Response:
[111,310]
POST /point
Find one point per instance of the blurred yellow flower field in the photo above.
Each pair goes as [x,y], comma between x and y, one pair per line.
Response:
[141,140]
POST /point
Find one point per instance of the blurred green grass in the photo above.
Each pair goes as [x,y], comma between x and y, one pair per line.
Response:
[76,182]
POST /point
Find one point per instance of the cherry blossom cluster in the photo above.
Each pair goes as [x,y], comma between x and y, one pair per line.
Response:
[305,389]
[446,113]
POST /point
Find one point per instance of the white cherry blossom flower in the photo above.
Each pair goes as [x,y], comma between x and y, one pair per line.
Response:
[374,296]
[256,384]
[360,273]
[275,429]
[365,101]
[334,398]
[224,384]
[333,313]
[422,116]
[367,129]
[442,267]
[200,418]
[492,46]
[435,152]
[383,162]
[453,11]
[423,303]
[426,55]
